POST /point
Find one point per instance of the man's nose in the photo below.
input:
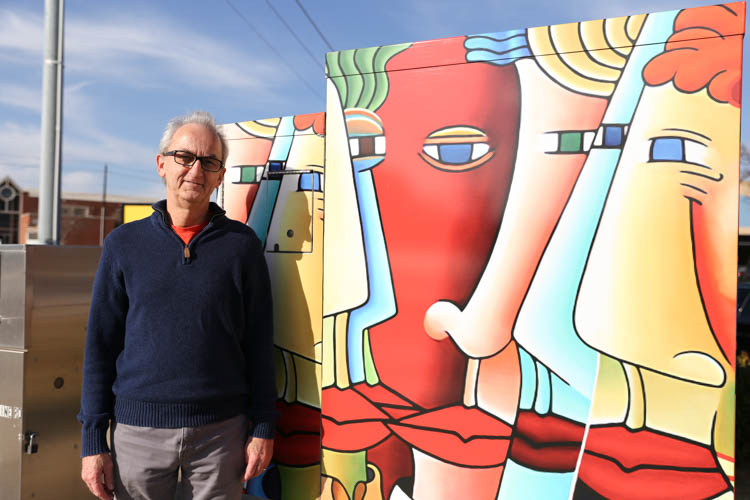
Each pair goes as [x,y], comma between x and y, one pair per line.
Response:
[196,170]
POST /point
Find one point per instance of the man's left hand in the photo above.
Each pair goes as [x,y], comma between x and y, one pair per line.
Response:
[258,453]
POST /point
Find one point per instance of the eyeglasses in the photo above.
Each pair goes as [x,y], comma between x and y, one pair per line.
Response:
[188,159]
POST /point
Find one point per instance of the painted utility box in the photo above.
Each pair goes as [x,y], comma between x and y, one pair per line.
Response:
[274,183]
[536,298]
[526,286]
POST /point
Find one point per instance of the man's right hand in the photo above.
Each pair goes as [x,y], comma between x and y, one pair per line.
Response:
[97,471]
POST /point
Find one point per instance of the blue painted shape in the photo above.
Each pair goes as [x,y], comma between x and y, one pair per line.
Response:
[568,402]
[522,483]
[612,136]
[362,164]
[268,190]
[309,182]
[500,48]
[275,166]
[260,213]
[500,35]
[528,379]
[282,141]
[381,302]
[543,390]
[656,29]
[455,154]
[667,149]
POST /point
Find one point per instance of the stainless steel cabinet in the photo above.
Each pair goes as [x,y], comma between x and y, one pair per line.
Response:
[45,293]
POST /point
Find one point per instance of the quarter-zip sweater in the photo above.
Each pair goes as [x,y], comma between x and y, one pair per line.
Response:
[178,335]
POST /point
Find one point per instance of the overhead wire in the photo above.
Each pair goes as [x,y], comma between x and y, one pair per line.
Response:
[273,49]
[304,11]
[317,61]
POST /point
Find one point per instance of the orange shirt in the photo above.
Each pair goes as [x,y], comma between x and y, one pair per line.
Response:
[188,232]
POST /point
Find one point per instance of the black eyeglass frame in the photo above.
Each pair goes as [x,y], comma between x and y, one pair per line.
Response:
[203,159]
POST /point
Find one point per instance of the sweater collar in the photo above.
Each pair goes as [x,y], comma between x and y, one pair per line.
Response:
[160,207]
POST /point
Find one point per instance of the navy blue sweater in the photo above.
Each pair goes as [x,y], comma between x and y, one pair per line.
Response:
[178,337]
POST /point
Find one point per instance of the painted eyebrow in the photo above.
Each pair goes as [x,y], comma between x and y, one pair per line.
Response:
[688,132]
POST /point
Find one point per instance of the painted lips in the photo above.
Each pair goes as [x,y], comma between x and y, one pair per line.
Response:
[366,415]
[649,465]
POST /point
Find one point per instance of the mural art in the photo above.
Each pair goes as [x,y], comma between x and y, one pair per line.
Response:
[530,255]
[274,183]
[526,286]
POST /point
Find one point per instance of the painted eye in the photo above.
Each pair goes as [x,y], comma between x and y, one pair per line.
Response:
[567,142]
[309,182]
[275,168]
[456,149]
[678,149]
[366,138]
[245,174]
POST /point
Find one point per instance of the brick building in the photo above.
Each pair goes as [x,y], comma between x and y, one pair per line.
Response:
[80,221]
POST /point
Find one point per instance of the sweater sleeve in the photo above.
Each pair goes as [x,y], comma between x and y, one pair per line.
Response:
[259,351]
[104,342]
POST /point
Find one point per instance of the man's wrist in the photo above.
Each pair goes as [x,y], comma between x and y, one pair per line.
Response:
[94,441]
[263,430]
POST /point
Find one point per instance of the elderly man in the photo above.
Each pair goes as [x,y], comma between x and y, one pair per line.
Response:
[178,348]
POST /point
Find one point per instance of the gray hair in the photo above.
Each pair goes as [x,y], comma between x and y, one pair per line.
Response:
[199,118]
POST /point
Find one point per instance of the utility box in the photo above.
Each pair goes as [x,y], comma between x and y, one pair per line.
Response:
[45,293]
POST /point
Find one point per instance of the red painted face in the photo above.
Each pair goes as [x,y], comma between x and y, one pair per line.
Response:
[451,134]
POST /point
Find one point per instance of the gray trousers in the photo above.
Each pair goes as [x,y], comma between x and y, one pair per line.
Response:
[211,458]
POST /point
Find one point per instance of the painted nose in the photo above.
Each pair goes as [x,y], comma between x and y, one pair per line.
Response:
[483,328]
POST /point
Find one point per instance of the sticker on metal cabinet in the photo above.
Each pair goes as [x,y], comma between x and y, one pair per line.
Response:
[10,412]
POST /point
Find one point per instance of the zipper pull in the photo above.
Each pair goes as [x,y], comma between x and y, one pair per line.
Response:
[187,253]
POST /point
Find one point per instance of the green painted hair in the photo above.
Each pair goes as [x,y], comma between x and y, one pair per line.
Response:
[359,75]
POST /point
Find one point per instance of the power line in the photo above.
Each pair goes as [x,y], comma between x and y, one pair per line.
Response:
[314,25]
[301,43]
[142,176]
[273,49]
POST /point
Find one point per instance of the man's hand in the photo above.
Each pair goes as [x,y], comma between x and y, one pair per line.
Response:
[258,453]
[97,471]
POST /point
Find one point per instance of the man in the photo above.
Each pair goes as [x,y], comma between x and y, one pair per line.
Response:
[179,340]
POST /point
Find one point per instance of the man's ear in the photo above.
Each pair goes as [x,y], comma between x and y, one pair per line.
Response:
[160,165]
[221,176]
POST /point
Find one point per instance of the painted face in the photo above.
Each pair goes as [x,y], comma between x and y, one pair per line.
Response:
[191,186]
[450,134]
[659,285]
[245,164]
[557,128]
[294,246]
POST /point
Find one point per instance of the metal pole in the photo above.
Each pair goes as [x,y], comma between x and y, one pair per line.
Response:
[51,68]
[104,207]
[57,202]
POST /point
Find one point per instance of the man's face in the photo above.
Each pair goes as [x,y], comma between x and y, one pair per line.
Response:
[191,186]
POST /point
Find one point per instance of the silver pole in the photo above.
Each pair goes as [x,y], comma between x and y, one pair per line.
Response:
[51,68]
[57,187]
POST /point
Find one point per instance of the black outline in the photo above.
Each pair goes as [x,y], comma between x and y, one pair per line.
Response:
[375,85]
[693,132]
[689,172]
[703,302]
[693,187]
[572,69]
[580,37]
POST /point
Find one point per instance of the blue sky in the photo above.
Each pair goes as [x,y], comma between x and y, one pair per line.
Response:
[130,66]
